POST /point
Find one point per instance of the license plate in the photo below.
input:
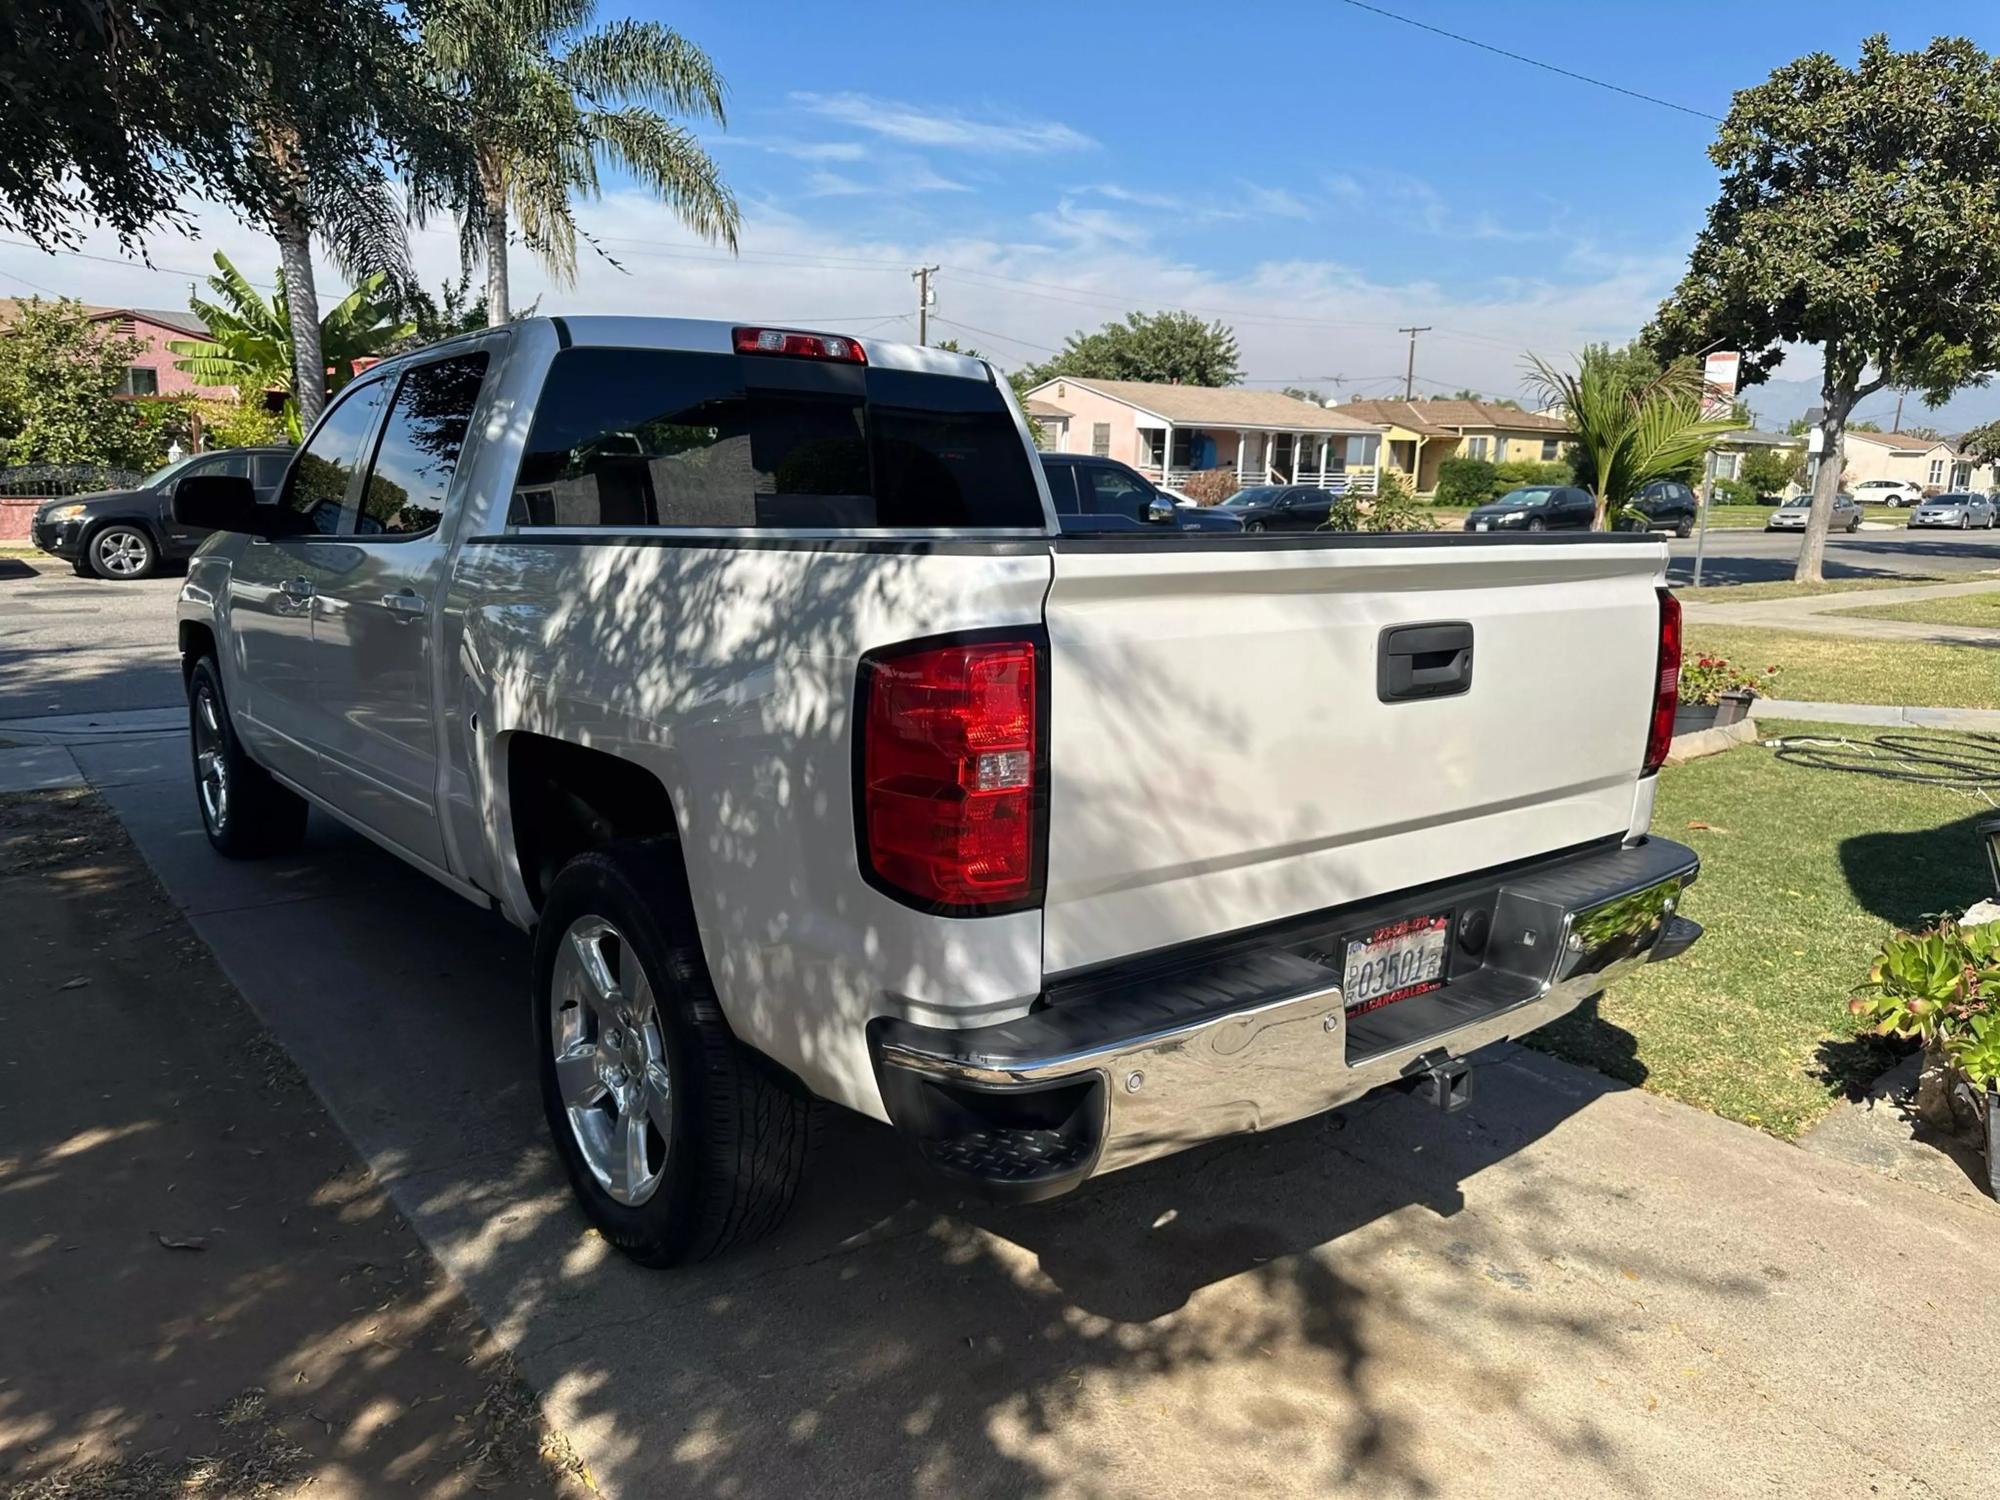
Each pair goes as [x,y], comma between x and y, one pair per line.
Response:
[1478,525]
[1394,962]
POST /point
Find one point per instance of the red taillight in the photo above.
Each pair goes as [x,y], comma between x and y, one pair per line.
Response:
[950,793]
[831,346]
[1666,684]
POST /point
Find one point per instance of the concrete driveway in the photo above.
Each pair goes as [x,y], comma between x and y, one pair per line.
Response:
[1574,1289]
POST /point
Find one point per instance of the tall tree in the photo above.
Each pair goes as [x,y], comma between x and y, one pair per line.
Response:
[1629,436]
[547,101]
[1172,347]
[1855,213]
[249,343]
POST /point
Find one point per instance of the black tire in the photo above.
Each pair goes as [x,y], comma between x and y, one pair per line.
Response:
[1854,525]
[1254,526]
[254,815]
[121,551]
[741,1132]
[81,567]
[1685,528]
[1538,524]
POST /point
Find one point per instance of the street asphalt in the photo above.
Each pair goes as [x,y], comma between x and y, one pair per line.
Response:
[1573,1288]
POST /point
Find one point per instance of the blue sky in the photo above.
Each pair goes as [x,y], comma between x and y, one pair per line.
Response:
[1313,173]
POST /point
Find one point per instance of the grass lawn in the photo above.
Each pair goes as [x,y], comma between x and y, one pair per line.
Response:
[1849,669]
[1727,517]
[1747,593]
[1964,609]
[1803,872]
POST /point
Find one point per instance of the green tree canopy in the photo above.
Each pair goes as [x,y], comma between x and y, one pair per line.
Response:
[60,374]
[1172,347]
[1855,213]
[1982,442]
[1770,471]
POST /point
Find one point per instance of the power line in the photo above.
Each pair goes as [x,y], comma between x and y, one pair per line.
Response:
[131,265]
[1533,62]
[988,333]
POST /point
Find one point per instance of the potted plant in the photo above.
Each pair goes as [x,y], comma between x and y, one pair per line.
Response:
[1715,691]
[1942,989]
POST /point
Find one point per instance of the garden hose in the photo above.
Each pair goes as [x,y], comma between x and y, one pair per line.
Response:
[1962,760]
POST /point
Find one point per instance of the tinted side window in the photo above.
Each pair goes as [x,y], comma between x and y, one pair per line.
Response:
[640,437]
[237,464]
[317,489]
[1062,487]
[267,471]
[419,449]
[1114,492]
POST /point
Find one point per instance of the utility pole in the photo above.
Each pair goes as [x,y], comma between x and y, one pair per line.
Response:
[925,296]
[1897,425]
[1410,372]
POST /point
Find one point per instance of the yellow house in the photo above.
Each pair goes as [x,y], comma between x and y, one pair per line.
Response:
[1417,436]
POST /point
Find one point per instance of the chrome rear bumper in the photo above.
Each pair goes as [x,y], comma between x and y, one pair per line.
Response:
[1159,1056]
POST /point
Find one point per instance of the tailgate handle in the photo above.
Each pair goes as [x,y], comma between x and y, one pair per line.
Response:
[1424,661]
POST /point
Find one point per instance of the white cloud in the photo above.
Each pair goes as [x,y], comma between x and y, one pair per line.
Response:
[914,125]
[1274,202]
[1409,202]
[799,150]
[1137,197]
[902,178]
[1305,319]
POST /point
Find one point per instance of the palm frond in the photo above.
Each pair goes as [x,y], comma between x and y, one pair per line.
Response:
[643,62]
[673,164]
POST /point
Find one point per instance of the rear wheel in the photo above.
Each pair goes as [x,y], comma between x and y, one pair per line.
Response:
[678,1141]
[245,813]
[120,551]
[1685,528]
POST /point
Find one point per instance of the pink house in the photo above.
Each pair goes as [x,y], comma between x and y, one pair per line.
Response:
[1168,432]
[152,371]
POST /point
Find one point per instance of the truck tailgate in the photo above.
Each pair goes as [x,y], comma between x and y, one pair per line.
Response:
[1220,757]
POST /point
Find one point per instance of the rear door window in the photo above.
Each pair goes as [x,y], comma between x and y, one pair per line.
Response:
[419,447]
[1062,487]
[642,437]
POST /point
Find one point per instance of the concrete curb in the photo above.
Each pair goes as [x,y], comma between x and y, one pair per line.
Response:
[1880,713]
[1713,741]
[38,768]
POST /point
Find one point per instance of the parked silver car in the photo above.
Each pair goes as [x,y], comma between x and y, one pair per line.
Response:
[1791,516]
[1962,509]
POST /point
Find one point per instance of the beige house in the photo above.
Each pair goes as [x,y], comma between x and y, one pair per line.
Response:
[1930,462]
[1417,436]
[1168,432]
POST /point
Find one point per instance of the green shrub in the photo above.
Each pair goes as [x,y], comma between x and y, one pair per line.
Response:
[1734,492]
[1519,471]
[1391,508]
[1770,471]
[1211,486]
[1466,481]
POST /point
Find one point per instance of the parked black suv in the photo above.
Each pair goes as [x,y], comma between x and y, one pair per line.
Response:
[128,533]
[1667,505]
[1101,494]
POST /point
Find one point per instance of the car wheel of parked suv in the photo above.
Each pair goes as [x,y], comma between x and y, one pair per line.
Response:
[245,813]
[1684,528]
[119,552]
[679,1141]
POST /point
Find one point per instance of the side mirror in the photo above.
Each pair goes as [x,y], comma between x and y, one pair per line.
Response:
[1159,509]
[221,502]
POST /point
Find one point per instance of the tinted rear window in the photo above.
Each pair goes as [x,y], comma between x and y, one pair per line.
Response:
[642,437]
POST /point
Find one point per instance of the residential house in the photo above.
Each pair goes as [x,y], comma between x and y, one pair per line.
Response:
[1733,447]
[152,371]
[1051,425]
[1933,463]
[1168,432]
[1418,436]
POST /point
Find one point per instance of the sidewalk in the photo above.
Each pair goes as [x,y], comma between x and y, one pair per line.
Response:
[1816,614]
[205,1293]
[1887,714]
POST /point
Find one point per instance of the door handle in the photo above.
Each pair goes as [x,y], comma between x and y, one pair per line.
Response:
[405,604]
[1424,661]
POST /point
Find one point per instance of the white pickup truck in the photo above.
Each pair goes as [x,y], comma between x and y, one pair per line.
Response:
[753,671]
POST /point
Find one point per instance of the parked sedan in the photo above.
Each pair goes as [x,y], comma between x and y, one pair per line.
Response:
[1537,507]
[120,534]
[1962,509]
[1097,495]
[1280,507]
[1793,514]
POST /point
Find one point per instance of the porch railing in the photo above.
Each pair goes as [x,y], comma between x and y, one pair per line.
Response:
[1340,481]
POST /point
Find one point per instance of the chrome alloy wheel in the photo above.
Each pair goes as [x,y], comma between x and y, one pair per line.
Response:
[211,764]
[611,1064]
[121,552]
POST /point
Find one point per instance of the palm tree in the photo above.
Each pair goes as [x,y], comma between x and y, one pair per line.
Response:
[546,101]
[1629,433]
[249,343]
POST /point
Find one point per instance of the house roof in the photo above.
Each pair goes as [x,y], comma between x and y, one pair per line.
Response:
[1215,406]
[180,322]
[1043,410]
[1450,418]
[1754,437]
[1902,442]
